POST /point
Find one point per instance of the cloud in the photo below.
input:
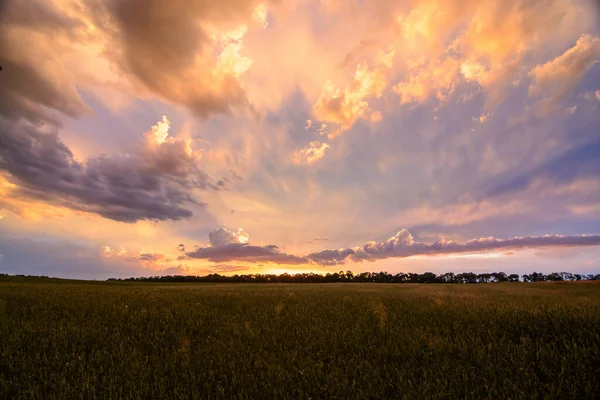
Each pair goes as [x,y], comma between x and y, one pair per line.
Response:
[311,153]
[245,252]
[186,53]
[153,257]
[34,82]
[592,96]
[331,256]
[556,79]
[144,263]
[490,40]
[221,237]
[155,183]
[345,106]
[403,244]
[226,245]
[48,255]
[438,79]
[107,251]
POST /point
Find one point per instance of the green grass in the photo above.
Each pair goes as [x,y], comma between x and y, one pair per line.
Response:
[147,341]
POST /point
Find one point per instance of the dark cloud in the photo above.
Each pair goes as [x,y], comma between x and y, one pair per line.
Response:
[36,89]
[227,245]
[153,257]
[153,184]
[245,252]
[403,244]
[32,85]
[331,257]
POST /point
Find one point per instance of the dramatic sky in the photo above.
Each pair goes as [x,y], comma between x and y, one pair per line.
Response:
[148,137]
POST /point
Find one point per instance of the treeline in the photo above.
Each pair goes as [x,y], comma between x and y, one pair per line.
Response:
[381,277]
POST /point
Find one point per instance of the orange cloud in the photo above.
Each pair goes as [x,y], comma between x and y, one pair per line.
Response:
[489,39]
[438,79]
[555,79]
[345,106]
[311,153]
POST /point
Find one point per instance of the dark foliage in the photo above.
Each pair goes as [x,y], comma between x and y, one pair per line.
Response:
[381,277]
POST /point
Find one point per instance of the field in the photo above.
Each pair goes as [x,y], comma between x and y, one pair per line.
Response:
[133,340]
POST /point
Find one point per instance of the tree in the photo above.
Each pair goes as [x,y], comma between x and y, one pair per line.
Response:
[554,277]
[499,277]
[448,277]
[349,276]
[427,277]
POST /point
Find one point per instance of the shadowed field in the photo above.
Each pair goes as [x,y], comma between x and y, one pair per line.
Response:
[114,340]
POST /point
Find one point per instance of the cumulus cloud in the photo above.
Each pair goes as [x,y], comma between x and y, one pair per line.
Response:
[155,183]
[403,244]
[226,245]
[221,237]
[556,79]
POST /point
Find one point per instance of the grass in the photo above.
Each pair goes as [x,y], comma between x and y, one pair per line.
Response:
[131,340]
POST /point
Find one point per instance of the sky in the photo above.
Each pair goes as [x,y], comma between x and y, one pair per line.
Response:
[144,137]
